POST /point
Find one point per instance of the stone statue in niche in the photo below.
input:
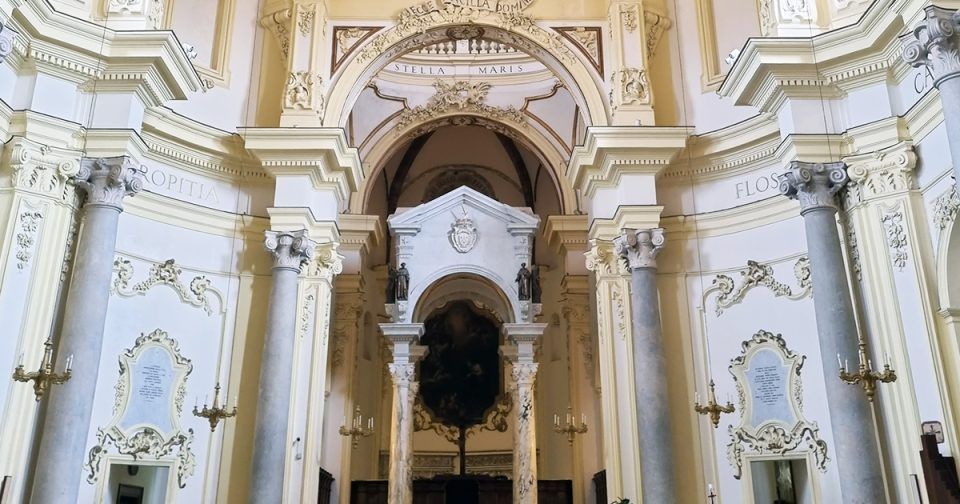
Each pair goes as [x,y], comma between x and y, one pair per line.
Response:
[402,282]
[523,283]
[536,293]
[391,285]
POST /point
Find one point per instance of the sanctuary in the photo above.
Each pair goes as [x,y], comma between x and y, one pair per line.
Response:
[479,251]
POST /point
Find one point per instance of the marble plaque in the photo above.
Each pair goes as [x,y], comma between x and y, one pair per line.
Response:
[768,386]
[152,377]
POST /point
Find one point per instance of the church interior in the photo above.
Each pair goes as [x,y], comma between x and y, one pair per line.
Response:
[479,251]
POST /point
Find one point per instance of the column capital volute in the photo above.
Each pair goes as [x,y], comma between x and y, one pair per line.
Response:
[935,43]
[107,180]
[640,247]
[603,260]
[814,185]
[291,250]
[524,373]
[325,261]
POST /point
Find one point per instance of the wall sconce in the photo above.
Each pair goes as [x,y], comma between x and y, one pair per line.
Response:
[357,430]
[570,427]
[865,375]
[712,408]
[45,376]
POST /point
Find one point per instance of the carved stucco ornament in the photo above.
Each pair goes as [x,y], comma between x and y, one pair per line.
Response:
[935,43]
[780,432]
[814,185]
[896,237]
[196,293]
[759,275]
[140,432]
[633,85]
[945,208]
[463,232]
[30,221]
[460,97]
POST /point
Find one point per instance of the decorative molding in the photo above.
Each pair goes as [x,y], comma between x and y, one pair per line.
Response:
[496,419]
[768,18]
[346,326]
[303,92]
[326,261]
[308,312]
[630,17]
[165,273]
[603,259]
[791,432]
[655,24]
[759,275]
[945,208]
[143,440]
[30,221]
[346,40]
[879,174]
[896,237]
[279,24]
[305,21]
[578,326]
[7,38]
[461,97]
[588,40]
[854,247]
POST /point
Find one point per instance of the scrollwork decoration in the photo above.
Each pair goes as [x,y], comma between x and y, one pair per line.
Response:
[759,275]
[166,273]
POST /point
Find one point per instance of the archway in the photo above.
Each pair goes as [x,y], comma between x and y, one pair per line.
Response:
[412,33]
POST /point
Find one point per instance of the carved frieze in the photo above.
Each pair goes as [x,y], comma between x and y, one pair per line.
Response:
[148,403]
[770,391]
[196,293]
[27,230]
[759,275]
[460,97]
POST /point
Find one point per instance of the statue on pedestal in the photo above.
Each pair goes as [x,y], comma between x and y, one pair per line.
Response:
[523,283]
[402,282]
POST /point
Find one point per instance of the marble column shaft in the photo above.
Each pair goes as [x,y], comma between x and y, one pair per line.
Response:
[400,490]
[60,459]
[933,45]
[640,248]
[525,433]
[855,445]
[290,250]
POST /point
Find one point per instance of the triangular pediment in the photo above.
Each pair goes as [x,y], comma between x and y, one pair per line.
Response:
[463,198]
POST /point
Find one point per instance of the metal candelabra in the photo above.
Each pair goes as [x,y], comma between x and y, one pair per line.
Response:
[356,429]
[712,407]
[570,427]
[865,375]
[45,376]
[215,413]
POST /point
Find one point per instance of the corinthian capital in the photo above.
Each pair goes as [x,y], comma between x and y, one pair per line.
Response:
[935,43]
[814,184]
[524,373]
[291,250]
[402,373]
[107,180]
[640,247]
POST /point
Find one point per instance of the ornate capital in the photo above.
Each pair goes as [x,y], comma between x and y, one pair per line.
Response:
[603,260]
[7,36]
[935,43]
[640,247]
[403,374]
[43,170]
[327,261]
[815,185]
[107,180]
[524,373]
[880,173]
[291,250]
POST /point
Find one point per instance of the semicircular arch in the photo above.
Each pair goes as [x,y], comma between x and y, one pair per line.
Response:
[414,32]
[530,138]
[485,296]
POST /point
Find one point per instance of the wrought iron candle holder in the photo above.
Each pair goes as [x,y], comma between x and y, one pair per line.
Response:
[712,407]
[570,427]
[215,413]
[356,429]
[865,376]
[44,377]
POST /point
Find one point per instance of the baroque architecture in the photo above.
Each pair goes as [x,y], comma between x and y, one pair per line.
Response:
[380,251]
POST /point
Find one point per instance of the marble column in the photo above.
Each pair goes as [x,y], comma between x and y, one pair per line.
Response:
[855,446]
[640,249]
[290,251]
[406,352]
[933,45]
[106,181]
[521,351]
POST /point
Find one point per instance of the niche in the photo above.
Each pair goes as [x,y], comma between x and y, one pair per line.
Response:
[137,484]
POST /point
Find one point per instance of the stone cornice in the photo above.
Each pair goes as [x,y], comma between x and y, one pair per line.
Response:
[321,153]
[731,221]
[295,219]
[361,232]
[738,148]
[770,70]
[197,147]
[627,217]
[610,152]
[566,233]
[151,63]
